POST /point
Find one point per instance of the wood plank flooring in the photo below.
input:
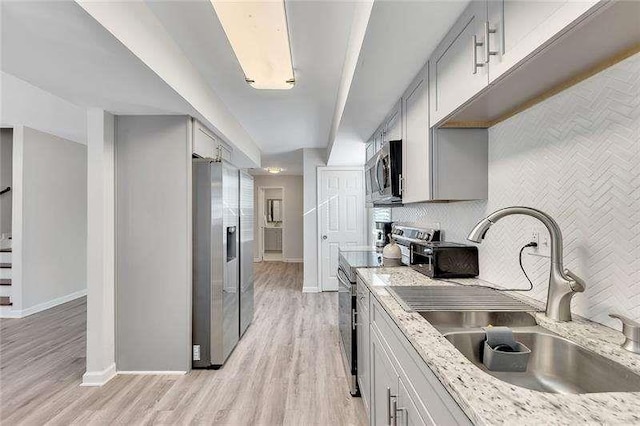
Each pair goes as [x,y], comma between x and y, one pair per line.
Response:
[287,369]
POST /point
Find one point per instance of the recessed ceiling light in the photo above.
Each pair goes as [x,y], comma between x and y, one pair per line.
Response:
[274,170]
[258,33]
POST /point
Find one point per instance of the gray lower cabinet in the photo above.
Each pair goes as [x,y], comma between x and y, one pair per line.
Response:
[407,411]
[403,389]
[363,339]
[384,384]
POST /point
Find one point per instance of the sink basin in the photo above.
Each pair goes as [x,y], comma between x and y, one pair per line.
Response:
[475,319]
[556,365]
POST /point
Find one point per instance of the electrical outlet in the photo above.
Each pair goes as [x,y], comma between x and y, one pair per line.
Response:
[196,352]
[535,237]
[540,236]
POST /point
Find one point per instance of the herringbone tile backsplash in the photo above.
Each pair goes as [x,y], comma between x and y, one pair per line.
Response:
[577,157]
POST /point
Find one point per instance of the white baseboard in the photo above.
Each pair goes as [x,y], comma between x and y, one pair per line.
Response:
[44,306]
[293,260]
[154,373]
[6,312]
[310,290]
[257,260]
[99,378]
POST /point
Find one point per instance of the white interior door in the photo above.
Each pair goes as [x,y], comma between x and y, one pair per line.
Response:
[341,218]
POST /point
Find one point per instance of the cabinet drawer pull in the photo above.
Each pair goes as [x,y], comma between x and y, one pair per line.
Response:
[391,408]
[488,53]
[475,44]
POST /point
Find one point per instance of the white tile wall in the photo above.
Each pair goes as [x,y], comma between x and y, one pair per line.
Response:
[577,157]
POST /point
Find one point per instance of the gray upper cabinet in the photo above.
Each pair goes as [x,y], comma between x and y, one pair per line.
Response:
[370,149]
[207,145]
[439,164]
[517,28]
[460,164]
[416,173]
[393,124]
[457,67]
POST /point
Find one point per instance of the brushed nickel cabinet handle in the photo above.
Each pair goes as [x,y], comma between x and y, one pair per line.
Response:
[475,44]
[488,53]
[391,408]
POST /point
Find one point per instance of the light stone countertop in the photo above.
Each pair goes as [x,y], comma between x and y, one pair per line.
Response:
[488,400]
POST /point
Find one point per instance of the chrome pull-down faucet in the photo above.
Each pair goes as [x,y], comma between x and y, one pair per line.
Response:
[563,284]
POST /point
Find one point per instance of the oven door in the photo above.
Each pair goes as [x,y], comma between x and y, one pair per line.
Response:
[346,317]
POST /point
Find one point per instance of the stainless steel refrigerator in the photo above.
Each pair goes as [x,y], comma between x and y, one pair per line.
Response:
[216,262]
[246,250]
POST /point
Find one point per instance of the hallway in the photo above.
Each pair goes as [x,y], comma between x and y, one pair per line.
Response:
[286,370]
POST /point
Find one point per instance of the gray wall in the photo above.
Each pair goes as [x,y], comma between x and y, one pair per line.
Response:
[312,158]
[292,246]
[153,243]
[54,218]
[6,159]
[577,157]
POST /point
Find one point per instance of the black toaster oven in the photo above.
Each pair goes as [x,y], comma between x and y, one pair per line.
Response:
[444,259]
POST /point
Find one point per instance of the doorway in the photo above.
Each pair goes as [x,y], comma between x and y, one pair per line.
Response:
[272,223]
[341,218]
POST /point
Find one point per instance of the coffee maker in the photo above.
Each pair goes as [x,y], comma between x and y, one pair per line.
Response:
[381,234]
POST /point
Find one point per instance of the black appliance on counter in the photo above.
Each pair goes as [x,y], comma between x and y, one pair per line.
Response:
[348,262]
[444,259]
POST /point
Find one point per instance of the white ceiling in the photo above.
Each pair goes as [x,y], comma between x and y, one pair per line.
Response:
[290,162]
[279,121]
[58,47]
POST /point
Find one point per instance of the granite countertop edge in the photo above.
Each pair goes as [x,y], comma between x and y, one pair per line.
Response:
[488,400]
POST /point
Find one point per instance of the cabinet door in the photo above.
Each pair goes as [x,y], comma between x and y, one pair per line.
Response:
[457,69]
[416,161]
[377,143]
[407,413]
[384,384]
[268,239]
[204,142]
[521,27]
[370,149]
[393,126]
[362,337]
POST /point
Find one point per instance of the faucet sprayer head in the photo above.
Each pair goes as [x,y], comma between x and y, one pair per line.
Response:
[479,231]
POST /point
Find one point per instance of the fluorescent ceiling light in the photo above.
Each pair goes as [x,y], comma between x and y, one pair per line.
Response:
[274,170]
[257,31]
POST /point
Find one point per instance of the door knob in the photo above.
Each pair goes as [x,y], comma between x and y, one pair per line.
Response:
[324,237]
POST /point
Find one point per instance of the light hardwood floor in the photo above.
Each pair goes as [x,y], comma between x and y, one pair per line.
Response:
[287,369]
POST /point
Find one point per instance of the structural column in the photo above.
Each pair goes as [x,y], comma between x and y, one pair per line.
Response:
[100,248]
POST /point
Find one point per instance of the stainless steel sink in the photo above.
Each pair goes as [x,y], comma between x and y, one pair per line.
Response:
[556,365]
[448,320]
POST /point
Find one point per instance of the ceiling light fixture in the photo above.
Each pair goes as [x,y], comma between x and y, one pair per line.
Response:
[274,170]
[258,33]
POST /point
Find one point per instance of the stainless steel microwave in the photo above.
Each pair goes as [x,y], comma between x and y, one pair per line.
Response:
[383,174]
